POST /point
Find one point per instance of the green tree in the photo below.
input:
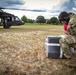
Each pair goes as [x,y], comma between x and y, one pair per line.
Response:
[24,18]
[53,20]
[30,21]
[40,19]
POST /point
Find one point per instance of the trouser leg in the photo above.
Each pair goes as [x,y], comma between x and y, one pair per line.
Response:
[65,47]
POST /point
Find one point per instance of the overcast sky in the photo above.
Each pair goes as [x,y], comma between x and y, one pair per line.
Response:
[46,8]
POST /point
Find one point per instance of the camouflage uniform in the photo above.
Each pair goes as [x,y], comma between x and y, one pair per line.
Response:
[70,39]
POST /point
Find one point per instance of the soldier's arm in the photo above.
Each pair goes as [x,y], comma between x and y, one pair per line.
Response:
[66,32]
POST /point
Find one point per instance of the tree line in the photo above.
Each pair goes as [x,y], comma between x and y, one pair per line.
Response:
[40,19]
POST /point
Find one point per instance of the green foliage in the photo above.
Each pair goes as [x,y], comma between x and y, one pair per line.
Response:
[24,18]
[40,19]
[53,20]
[30,21]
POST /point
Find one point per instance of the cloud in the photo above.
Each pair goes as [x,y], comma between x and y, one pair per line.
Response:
[10,3]
[57,6]
[34,8]
[39,5]
[68,5]
[18,5]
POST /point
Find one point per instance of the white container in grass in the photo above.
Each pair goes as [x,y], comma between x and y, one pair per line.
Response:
[52,47]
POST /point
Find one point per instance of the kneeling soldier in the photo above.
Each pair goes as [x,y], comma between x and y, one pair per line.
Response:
[69,41]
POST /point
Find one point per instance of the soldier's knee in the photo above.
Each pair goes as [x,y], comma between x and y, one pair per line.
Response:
[61,40]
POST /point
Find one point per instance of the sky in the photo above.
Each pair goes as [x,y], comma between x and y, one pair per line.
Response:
[33,8]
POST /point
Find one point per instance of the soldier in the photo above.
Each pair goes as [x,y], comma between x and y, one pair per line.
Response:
[69,42]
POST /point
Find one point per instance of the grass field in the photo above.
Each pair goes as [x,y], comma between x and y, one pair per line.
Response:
[34,27]
[22,51]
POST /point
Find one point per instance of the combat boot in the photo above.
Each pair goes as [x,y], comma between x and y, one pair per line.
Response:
[66,56]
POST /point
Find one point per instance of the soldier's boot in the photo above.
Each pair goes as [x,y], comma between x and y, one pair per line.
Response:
[66,56]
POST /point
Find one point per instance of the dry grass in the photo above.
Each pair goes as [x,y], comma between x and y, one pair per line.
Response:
[22,52]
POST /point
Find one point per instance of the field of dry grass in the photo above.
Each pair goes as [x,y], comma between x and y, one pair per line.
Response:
[22,51]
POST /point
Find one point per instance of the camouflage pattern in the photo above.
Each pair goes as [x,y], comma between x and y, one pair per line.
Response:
[70,40]
[72,25]
[66,44]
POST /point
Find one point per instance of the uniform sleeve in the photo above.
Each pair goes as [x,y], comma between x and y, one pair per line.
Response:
[72,20]
[72,25]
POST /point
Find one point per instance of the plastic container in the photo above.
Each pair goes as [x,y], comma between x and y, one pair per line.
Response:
[53,47]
